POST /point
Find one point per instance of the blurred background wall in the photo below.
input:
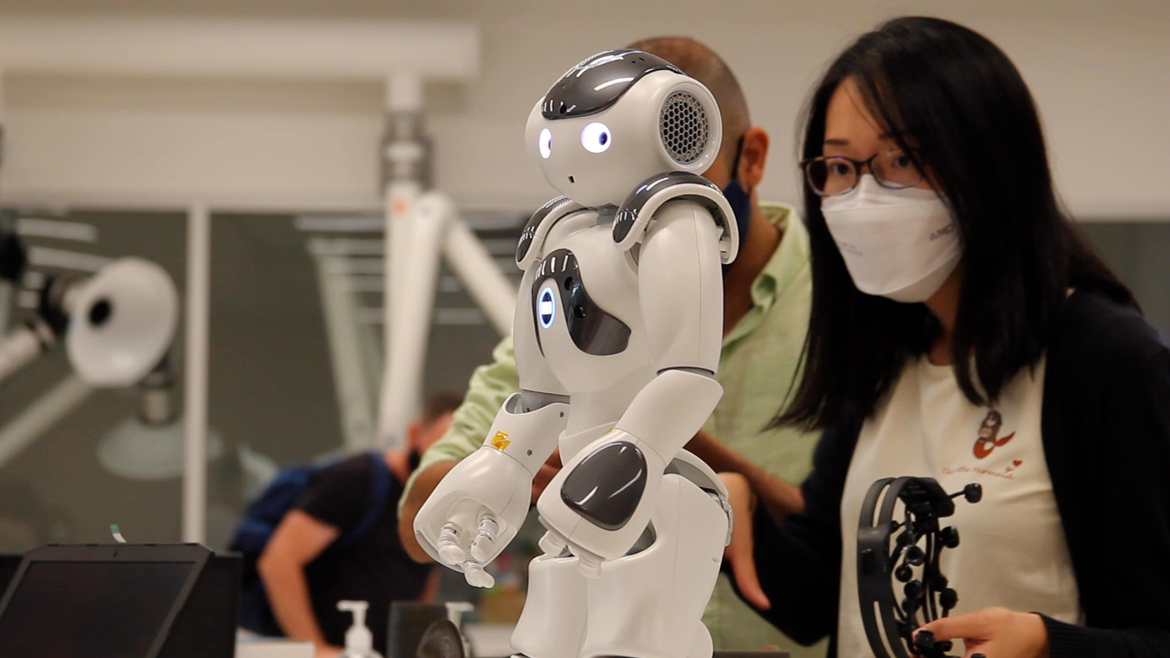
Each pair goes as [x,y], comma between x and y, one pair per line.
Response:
[1099,72]
[126,154]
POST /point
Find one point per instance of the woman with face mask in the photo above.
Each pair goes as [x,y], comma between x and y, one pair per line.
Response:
[962,330]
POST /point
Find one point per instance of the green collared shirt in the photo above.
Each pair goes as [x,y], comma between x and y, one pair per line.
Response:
[757,367]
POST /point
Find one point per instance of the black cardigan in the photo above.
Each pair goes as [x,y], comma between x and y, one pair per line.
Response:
[1105,429]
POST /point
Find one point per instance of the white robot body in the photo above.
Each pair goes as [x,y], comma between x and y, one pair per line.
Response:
[647,604]
[585,263]
[659,421]
[617,336]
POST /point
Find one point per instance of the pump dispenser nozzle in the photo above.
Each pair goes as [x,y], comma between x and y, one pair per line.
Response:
[359,641]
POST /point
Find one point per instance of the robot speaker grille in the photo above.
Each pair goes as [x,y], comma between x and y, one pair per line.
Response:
[683,125]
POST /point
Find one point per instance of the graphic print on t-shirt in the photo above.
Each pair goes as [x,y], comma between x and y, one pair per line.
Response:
[989,435]
[1013,552]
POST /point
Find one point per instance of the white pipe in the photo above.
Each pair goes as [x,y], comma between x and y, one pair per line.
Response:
[353,389]
[349,247]
[399,242]
[404,91]
[413,297]
[39,416]
[327,224]
[7,293]
[400,196]
[401,158]
[195,384]
[17,350]
[56,229]
[481,276]
[189,46]
[70,260]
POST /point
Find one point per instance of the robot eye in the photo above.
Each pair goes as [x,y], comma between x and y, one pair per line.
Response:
[544,142]
[595,137]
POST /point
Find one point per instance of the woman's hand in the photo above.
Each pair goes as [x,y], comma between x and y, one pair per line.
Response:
[740,552]
[995,633]
[327,651]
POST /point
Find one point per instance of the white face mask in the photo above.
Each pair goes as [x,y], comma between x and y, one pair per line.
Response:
[900,244]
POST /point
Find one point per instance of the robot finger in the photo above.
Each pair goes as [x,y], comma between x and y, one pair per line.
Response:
[588,564]
[453,544]
[476,576]
[483,547]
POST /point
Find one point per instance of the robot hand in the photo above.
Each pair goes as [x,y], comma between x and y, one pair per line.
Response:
[479,506]
[475,512]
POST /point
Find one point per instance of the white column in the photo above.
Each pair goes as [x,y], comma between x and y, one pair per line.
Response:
[415,300]
[195,385]
[403,97]
[353,388]
[481,276]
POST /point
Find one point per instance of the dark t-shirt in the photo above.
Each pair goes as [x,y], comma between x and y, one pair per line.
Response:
[375,568]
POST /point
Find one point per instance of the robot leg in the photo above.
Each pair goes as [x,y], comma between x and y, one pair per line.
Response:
[649,604]
[553,621]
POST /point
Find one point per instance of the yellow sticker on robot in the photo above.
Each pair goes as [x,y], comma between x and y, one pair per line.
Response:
[500,440]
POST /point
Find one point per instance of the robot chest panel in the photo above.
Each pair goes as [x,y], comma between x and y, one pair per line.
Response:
[585,305]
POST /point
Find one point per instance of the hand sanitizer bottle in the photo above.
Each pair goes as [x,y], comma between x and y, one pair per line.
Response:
[359,641]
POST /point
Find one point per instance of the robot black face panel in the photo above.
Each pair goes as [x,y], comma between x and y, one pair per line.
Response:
[598,82]
[917,543]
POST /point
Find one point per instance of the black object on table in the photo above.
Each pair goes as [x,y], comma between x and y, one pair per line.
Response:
[135,600]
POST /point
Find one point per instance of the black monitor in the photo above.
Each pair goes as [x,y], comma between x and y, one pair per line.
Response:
[9,563]
[121,601]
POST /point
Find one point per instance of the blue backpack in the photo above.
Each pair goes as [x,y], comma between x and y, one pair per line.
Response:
[266,512]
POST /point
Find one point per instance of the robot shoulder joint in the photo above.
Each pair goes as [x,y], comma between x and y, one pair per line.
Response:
[529,248]
[635,214]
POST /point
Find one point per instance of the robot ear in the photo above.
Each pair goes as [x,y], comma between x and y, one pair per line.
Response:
[690,126]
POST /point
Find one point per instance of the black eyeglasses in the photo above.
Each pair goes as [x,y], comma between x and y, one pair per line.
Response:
[830,175]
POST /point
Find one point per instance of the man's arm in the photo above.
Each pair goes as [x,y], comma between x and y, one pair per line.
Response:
[778,496]
[297,541]
[489,386]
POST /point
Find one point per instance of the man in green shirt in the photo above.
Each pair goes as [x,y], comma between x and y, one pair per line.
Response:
[766,297]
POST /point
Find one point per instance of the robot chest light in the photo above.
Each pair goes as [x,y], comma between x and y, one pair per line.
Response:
[593,330]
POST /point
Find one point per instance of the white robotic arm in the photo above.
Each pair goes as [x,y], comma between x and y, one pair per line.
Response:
[478,507]
[476,510]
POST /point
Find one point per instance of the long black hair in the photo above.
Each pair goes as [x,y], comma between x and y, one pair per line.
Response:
[951,97]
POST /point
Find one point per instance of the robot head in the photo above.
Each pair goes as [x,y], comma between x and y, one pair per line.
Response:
[618,118]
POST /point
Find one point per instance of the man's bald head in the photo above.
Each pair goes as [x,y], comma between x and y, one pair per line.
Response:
[702,64]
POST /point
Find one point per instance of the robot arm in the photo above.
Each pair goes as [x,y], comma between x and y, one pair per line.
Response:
[607,491]
[476,510]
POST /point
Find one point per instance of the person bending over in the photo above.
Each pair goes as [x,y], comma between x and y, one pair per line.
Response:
[306,570]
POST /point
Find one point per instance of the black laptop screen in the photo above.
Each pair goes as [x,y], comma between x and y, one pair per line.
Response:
[98,609]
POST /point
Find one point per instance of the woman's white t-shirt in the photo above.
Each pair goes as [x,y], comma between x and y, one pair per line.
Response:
[1012,551]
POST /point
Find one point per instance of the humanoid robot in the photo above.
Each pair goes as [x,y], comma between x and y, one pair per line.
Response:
[617,338]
